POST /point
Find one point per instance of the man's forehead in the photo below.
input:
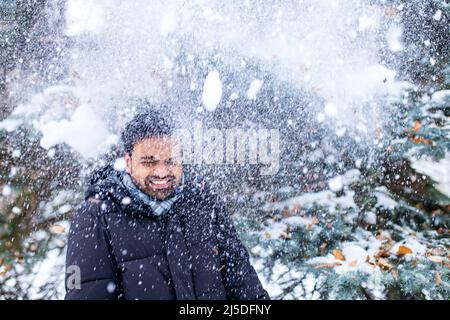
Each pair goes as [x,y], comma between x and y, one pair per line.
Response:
[155,144]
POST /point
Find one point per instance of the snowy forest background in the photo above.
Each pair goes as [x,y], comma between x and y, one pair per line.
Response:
[359,89]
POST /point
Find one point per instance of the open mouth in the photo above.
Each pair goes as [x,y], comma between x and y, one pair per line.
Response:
[160,183]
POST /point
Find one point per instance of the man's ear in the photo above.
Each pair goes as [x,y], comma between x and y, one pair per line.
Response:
[128,162]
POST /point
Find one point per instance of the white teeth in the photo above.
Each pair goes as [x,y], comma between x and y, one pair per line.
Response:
[160,182]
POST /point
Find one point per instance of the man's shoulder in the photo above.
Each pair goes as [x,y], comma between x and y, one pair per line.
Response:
[202,202]
[98,206]
[90,212]
[202,193]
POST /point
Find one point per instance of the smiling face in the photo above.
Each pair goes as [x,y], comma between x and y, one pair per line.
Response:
[153,168]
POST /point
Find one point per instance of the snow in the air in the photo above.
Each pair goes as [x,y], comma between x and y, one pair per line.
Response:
[437,15]
[339,58]
[336,184]
[254,88]
[212,91]
[84,131]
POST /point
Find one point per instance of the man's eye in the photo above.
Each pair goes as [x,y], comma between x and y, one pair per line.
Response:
[148,163]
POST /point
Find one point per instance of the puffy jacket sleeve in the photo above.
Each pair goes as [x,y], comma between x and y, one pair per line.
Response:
[91,270]
[240,278]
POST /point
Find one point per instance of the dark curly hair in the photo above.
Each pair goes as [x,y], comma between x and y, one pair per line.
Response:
[148,122]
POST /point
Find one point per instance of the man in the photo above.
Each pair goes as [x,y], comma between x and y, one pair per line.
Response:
[147,234]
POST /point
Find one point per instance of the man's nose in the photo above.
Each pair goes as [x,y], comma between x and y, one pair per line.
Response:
[161,170]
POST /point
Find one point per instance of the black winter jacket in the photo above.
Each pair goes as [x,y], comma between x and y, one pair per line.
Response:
[123,251]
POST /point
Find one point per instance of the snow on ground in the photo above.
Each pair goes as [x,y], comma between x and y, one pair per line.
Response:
[384,198]
[436,170]
[325,198]
[373,254]
[306,200]
[440,96]
[63,114]
[48,270]
[85,132]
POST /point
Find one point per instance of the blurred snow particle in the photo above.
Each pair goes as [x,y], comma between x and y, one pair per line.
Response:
[255,86]
[394,39]
[234,96]
[340,131]
[16,210]
[6,191]
[212,91]
[367,22]
[112,139]
[16,153]
[84,16]
[336,184]
[111,287]
[361,127]
[290,123]
[126,200]
[51,152]
[320,117]
[12,172]
[438,15]
[330,110]
[335,3]
[370,218]
[120,164]
[168,24]
[167,62]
